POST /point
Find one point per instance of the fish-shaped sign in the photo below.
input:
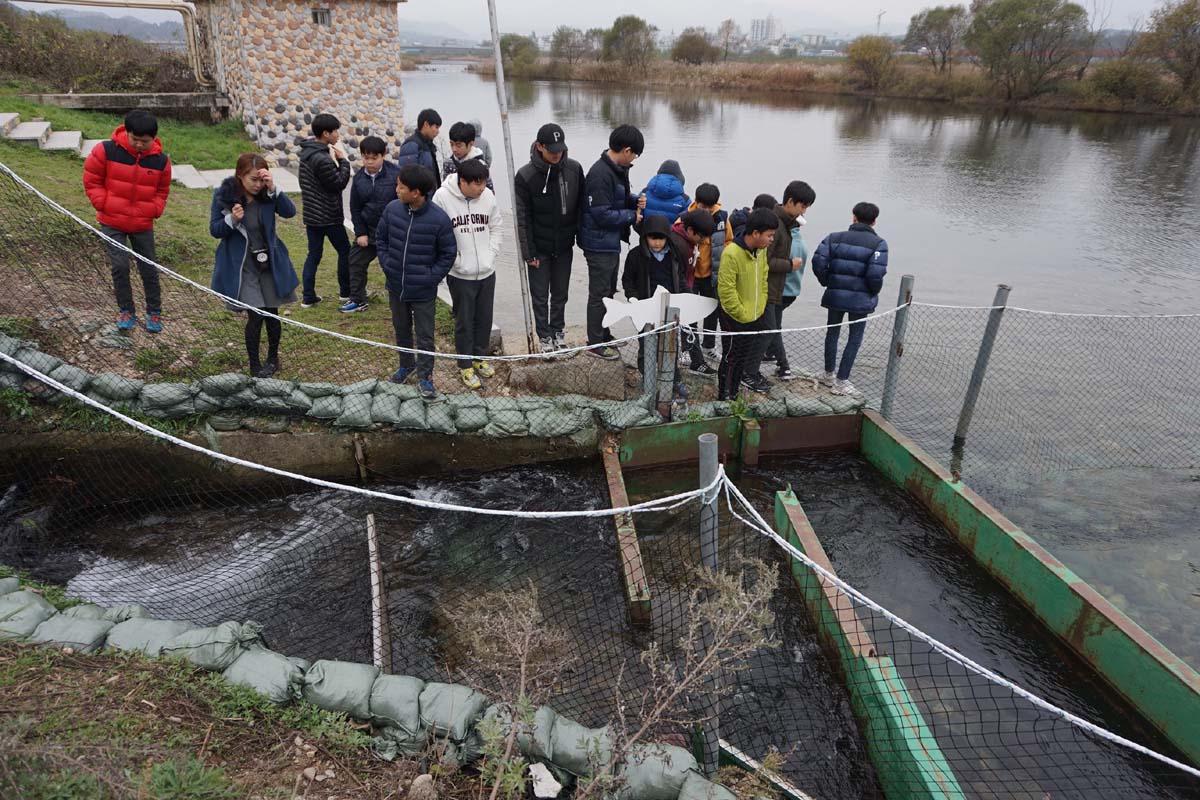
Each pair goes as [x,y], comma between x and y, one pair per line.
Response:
[692,308]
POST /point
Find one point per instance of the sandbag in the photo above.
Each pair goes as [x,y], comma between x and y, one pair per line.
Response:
[21,612]
[205,403]
[275,676]
[505,418]
[697,787]
[341,686]
[10,584]
[396,702]
[401,741]
[243,399]
[654,772]
[401,391]
[439,419]
[362,387]
[157,396]
[72,377]
[298,401]
[451,710]
[770,408]
[627,415]
[805,407]
[147,636]
[9,345]
[9,380]
[356,411]
[80,634]
[214,648]
[36,359]
[124,611]
[315,390]
[273,404]
[272,387]
[225,384]
[471,418]
[85,611]
[574,746]
[412,415]
[111,386]
[556,422]
[385,409]
[534,741]
[841,404]
[326,407]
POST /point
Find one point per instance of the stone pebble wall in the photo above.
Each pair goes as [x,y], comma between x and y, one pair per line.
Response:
[281,69]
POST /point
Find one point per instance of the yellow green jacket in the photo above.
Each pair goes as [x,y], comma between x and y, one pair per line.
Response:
[742,282]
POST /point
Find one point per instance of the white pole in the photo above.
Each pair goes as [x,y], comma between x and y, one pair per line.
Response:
[502,98]
[380,647]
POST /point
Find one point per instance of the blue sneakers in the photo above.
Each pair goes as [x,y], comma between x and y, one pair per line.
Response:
[401,375]
[126,320]
[154,322]
[351,307]
[428,393]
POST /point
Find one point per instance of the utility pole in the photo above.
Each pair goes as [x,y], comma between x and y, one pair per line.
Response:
[879,21]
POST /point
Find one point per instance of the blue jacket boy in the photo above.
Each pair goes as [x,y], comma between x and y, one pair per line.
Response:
[368,198]
[851,265]
[610,208]
[664,193]
[416,250]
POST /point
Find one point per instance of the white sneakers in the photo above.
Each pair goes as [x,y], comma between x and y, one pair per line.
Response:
[844,388]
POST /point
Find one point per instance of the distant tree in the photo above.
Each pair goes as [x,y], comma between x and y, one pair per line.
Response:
[595,42]
[630,41]
[872,60]
[1098,13]
[1173,37]
[693,47]
[729,35]
[568,44]
[940,31]
[1025,45]
[519,53]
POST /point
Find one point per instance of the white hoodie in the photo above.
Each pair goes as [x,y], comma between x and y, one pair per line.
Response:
[478,229]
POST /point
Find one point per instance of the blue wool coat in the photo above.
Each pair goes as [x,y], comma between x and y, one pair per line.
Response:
[415,250]
[665,196]
[227,268]
[851,265]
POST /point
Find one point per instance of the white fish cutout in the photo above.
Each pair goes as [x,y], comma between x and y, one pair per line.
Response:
[692,308]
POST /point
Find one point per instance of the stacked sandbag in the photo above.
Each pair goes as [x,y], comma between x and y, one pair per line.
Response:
[275,676]
[21,612]
[214,648]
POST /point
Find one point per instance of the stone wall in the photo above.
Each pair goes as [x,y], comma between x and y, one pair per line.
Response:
[280,69]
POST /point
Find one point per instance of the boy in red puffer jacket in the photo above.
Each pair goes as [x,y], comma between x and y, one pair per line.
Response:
[127,179]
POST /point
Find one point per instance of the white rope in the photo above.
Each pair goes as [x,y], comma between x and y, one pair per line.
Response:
[762,527]
[558,354]
[661,504]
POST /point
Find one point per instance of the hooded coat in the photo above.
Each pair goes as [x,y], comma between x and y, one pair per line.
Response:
[450,165]
[415,249]
[664,193]
[640,265]
[322,181]
[369,196]
[549,199]
[231,252]
[851,265]
[779,256]
[478,229]
[742,281]
[128,189]
[708,257]
[416,149]
[481,142]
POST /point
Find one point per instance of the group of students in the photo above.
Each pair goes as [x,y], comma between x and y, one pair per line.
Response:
[427,222]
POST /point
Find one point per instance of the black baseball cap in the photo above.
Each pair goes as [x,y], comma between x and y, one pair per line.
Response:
[551,137]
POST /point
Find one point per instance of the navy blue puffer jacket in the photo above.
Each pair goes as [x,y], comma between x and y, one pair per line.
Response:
[416,250]
[851,265]
[609,207]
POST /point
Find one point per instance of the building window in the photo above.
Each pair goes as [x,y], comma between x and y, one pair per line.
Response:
[320,16]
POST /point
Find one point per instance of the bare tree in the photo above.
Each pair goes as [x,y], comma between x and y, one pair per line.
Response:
[1137,24]
[1099,12]
[939,30]
[728,36]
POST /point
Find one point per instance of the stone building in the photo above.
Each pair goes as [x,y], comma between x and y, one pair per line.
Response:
[281,62]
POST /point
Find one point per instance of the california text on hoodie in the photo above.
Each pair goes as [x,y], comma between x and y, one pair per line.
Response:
[322,181]
[478,229]
[128,189]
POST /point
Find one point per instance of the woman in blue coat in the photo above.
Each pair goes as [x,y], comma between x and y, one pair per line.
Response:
[252,264]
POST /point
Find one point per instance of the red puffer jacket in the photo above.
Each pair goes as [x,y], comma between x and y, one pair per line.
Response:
[128,189]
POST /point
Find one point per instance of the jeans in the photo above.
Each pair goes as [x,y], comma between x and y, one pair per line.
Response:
[141,243]
[548,288]
[742,355]
[602,283]
[336,234]
[774,321]
[853,342]
[472,316]
[707,287]
[405,317]
[360,260]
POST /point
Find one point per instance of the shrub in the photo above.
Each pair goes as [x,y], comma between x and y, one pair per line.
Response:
[1129,82]
[872,62]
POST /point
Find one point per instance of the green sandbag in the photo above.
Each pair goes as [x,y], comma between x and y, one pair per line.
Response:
[156,396]
[111,386]
[534,740]
[842,404]
[9,380]
[697,787]
[412,415]
[806,407]
[10,584]
[327,407]
[704,410]
[21,612]
[272,387]
[147,636]
[85,611]
[771,408]
[385,409]
[401,741]
[396,703]
[8,345]
[243,399]
[654,772]
[81,635]
[315,390]
[341,686]
[205,403]
[356,411]
[553,422]
[531,404]
[451,710]
[403,391]
[574,746]
[36,359]
[298,400]
[214,648]
[273,404]
[362,387]
[505,418]
[439,418]
[124,611]
[471,418]
[627,415]
[225,384]
[181,410]
[275,676]
[72,377]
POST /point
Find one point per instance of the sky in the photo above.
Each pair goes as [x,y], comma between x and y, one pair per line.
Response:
[797,16]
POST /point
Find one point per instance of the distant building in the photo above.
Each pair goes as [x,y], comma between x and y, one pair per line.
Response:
[812,41]
[765,31]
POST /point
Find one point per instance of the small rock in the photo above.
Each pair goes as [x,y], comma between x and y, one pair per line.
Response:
[422,788]
[321,777]
[298,742]
[310,773]
[544,784]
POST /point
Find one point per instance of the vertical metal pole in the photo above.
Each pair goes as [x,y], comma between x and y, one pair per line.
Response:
[981,364]
[650,370]
[899,326]
[381,646]
[668,346]
[709,466]
[531,339]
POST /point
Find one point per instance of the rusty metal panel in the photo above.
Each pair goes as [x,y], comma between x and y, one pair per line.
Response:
[676,443]
[801,434]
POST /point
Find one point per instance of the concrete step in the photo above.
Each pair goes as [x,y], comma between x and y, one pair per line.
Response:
[64,140]
[89,145]
[30,132]
[8,121]
[188,176]
[213,177]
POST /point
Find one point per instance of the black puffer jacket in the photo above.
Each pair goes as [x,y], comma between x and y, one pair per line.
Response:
[549,201]
[637,280]
[322,181]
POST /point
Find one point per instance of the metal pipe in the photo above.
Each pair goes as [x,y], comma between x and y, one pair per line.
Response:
[668,362]
[710,729]
[531,339]
[981,364]
[381,649]
[899,327]
[187,10]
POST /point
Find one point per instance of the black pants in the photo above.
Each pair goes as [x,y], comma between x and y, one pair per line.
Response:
[742,355]
[602,283]
[407,317]
[549,285]
[360,260]
[141,243]
[472,316]
[707,287]
[317,234]
[254,326]
[773,316]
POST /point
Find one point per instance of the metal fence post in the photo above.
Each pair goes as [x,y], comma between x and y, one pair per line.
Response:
[668,362]
[899,327]
[981,364]
[649,345]
[710,732]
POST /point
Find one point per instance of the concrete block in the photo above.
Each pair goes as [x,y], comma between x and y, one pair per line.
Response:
[188,176]
[64,140]
[30,132]
[8,121]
